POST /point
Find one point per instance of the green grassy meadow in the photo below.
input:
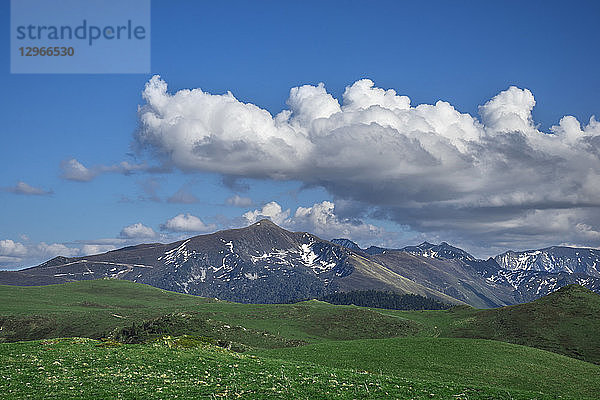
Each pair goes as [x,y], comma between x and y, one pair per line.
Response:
[159,344]
[81,369]
[474,362]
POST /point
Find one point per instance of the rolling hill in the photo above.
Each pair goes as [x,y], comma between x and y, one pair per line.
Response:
[310,349]
[87,369]
[564,322]
[475,362]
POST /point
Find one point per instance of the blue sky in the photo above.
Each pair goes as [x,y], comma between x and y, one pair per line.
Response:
[464,53]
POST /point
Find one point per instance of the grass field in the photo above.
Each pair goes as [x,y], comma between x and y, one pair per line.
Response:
[94,308]
[459,361]
[87,308]
[565,322]
[310,349]
[80,369]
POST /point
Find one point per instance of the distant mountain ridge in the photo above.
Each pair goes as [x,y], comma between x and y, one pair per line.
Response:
[263,263]
[553,259]
[512,277]
[347,243]
[442,250]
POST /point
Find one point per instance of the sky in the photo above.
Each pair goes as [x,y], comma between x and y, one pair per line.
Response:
[389,123]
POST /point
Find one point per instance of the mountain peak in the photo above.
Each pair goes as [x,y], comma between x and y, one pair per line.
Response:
[265,223]
[553,259]
[442,250]
[346,243]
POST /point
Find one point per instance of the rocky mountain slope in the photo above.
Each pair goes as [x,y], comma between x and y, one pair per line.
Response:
[553,259]
[261,263]
[488,283]
[264,263]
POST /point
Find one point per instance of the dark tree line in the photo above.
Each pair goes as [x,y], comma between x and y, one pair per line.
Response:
[389,300]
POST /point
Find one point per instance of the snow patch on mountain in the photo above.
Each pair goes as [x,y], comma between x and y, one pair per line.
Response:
[553,259]
[177,256]
[308,256]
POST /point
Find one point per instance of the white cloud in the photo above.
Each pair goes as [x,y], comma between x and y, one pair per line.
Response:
[272,211]
[74,170]
[28,190]
[509,111]
[429,167]
[187,223]
[321,220]
[16,254]
[12,249]
[137,231]
[45,251]
[239,201]
[88,249]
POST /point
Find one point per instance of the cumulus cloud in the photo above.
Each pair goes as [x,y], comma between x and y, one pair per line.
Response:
[74,170]
[28,190]
[430,167]
[16,254]
[137,231]
[88,249]
[45,250]
[239,201]
[40,250]
[187,223]
[10,248]
[321,219]
[272,211]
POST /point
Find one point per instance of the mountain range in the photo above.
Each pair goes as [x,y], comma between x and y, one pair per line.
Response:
[263,263]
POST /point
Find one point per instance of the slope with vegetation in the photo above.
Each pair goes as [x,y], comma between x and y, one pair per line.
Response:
[96,308]
[86,369]
[381,299]
[565,322]
[157,343]
[471,362]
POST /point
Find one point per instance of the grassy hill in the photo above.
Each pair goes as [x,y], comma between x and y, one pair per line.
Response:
[85,369]
[471,362]
[86,308]
[564,322]
[408,354]
[95,308]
